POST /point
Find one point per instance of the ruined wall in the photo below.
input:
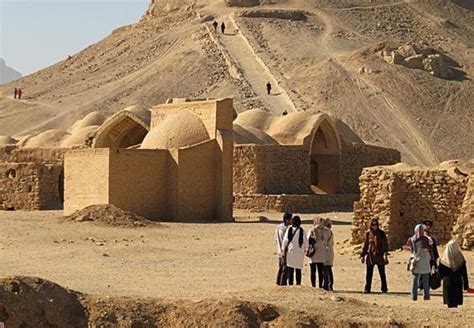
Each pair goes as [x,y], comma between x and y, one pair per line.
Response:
[271,169]
[356,156]
[13,154]
[138,181]
[295,203]
[30,186]
[86,178]
[464,228]
[403,198]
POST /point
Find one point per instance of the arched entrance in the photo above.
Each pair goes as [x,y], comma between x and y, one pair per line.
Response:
[121,131]
[325,154]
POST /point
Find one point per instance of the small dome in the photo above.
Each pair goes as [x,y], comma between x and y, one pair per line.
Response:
[251,135]
[256,118]
[94,118]
[175,131]
[46,139]
[79,136]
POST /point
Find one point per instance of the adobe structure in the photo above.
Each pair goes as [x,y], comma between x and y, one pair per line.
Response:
[298,163]
[140,160]
[181,171]
[402,196]
[31,179]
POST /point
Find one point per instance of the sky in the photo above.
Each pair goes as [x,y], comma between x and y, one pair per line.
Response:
[37,33]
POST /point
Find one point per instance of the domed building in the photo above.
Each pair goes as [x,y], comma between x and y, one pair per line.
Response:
[178,168]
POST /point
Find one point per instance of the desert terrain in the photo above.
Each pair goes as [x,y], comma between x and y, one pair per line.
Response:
[205,274]
[319,56]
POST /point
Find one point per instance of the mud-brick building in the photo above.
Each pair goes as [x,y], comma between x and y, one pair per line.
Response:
[181,171]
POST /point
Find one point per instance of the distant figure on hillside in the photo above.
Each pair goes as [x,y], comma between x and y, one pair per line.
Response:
[280,231]
[294,247]
[375,253]
[269,87]
[15,93]
[20,92]
[223,28]
[453,271]
[215,24]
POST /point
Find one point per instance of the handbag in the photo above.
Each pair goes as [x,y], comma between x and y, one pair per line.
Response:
[414,258]
[311,249]
[435,279]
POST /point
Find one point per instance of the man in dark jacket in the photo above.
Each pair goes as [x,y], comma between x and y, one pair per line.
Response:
[375,252]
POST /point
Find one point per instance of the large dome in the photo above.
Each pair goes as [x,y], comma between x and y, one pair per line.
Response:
[175,131]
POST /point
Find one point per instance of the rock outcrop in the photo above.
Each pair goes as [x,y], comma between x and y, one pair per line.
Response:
[415,57]
[242,3]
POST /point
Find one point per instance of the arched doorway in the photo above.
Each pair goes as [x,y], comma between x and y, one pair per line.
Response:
[121,131]
[325,154]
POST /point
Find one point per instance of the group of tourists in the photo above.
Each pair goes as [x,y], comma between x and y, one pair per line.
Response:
[215,24]
[293,245]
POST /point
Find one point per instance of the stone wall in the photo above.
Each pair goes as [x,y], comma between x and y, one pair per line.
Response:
[13,154]
[295,203]
[30,186]
[356,156]
[403,198]
[464,229]
[271,169]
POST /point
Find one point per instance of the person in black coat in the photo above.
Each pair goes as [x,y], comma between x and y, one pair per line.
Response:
[453,271]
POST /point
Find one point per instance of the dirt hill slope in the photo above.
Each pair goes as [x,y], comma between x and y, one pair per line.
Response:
[328,57]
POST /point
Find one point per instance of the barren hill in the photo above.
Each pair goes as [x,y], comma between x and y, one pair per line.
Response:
[7,73]
[399,73]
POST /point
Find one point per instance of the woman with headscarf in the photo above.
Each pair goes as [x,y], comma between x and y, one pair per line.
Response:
[421,249]
[329,260]
[375,252]
[453,271]
[293,249]
[320,236]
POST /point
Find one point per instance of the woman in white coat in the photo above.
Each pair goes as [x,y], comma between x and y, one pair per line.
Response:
[293,249]
[319,237]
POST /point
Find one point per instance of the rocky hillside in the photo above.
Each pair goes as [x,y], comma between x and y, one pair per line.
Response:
[398,73]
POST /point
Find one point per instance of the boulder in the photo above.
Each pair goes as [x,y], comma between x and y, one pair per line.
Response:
[436,65]
[394,59]
[415,62]
[408,50]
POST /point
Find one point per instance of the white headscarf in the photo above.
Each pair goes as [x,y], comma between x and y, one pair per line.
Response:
[452,256]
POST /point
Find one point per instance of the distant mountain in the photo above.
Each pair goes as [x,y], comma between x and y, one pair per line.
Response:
[7,73]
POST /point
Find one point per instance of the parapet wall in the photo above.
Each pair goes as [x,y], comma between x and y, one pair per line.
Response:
[30,186]
[357,156]
[271,169]
[13,154]
[403,198]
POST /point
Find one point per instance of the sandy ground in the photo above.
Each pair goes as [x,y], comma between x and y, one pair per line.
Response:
[195,262]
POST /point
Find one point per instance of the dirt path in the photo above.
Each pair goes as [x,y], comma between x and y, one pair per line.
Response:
[253,70]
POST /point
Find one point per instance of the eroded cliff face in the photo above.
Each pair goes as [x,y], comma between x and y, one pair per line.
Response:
[159,7]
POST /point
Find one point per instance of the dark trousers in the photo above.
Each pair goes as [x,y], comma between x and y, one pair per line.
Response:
[319,267]
[369,275]
[282,275]
[328,283]
[291,272]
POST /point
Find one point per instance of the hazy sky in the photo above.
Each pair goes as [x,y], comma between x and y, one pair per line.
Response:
[37,33]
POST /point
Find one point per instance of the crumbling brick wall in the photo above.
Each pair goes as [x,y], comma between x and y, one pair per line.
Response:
[403,198]
[30,186]
[464,228]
